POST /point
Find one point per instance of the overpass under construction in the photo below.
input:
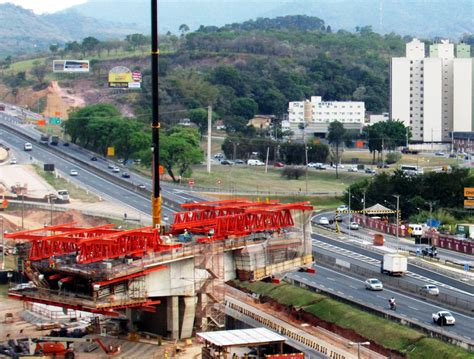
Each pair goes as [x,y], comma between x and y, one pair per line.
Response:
[165,281]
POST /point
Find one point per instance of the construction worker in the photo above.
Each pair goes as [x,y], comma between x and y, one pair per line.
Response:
[52,262]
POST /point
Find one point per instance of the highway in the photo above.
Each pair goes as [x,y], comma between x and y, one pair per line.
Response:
[408,307]
[345,250]
[391,241]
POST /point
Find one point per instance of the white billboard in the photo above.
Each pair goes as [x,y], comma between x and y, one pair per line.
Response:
[71,66]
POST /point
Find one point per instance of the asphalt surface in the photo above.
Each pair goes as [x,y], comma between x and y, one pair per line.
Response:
[348,250]
[392,241]
[409,307]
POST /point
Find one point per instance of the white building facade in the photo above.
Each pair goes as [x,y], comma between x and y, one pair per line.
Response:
[315,116]
[433,94]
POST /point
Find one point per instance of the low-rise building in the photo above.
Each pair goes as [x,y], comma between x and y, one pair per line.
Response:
[463,141]
[312,118]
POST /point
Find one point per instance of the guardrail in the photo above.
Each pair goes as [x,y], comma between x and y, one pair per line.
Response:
[432,332]
[466,306]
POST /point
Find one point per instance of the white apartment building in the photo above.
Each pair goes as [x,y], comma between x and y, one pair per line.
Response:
[433,94]
[315,116]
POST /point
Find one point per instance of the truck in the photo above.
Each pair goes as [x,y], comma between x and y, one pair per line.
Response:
[54,140]
[394,264]
[44,139]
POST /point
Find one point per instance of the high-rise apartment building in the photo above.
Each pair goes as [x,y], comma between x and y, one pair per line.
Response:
[433,94]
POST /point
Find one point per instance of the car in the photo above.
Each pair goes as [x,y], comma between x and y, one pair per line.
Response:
[141,186]
[335,165]
[137,161]
[66,144]
[219,156]
[369,170]
[239,162]
[110,166]
[13,161]
[28,146]
[373,284]
[342,207]
[115,169]
[430,289]
[73,172]
[126,175]
[352,169]
[255,163]
[227,163]
[443,317]
[93,158]
[439,153]
[324,221]
[354,226]
[452,155]
[317,165]
[382,165]
[278,164]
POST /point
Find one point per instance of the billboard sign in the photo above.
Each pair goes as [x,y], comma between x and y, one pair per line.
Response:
[71,66]
[469,197]
[120,77]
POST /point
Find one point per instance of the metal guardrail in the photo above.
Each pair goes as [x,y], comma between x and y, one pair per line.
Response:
[414,323]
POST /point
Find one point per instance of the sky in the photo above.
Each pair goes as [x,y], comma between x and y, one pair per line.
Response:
[44,6]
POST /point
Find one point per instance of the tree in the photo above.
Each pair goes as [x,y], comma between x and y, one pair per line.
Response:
[244,107]
[39,71]
[183,29]
[199,117]
[89,44]
[54,48]
[136,40]
[73,47]
[335,137]
[179,148]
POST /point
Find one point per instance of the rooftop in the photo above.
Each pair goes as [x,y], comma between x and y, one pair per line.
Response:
[241,337]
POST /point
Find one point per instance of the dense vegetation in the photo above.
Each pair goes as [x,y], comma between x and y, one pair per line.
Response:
[442,192]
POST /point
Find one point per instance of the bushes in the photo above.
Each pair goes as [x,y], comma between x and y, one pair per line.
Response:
[292,172]
[393,157]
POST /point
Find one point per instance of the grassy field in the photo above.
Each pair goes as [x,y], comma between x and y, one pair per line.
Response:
[388,334]
[60,183]
[244,179]
[365,157]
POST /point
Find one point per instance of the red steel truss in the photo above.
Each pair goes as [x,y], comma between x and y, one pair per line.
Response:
[91,244]
[235,217]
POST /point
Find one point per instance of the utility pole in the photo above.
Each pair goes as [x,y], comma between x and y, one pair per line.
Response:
[266,159]
[306,173]
[155,127]
[397,196]
[209,137]
[363,211]
[3,247]
[350,211]
[23,210]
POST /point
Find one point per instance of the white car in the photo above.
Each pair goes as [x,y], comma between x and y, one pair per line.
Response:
[28,146]
[13,161]
[352,169]
[334,165]
[430,289]
[354,226]
[255,163]
[324,221]
[342,207]
[115,170]
[443,317]
[373,284]
[73,172]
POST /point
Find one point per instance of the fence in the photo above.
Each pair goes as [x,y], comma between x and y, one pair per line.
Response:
[454,244]
[380,225]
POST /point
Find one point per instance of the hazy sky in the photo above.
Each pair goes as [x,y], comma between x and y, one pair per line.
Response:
[43,6]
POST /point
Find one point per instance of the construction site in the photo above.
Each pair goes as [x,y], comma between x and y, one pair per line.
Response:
[165,281]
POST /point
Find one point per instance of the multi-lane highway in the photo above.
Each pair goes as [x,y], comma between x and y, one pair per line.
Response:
[408,307]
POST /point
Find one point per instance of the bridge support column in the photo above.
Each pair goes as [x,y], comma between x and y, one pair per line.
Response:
[172,316]
[189,312]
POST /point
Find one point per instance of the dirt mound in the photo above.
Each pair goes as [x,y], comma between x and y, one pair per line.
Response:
[8,225]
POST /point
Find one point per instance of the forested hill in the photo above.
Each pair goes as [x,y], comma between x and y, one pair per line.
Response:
[270,62]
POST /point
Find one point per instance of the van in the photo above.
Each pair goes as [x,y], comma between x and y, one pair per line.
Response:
[255,163]
[416,230]
[63,195]
[28,146]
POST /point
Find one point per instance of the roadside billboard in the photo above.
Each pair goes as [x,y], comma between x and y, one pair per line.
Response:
[71,66]
[120,77]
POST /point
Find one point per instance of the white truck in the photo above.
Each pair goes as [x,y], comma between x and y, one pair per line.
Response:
[394,264]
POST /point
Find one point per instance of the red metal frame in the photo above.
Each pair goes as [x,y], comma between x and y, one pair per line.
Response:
[91,244]
[235,217]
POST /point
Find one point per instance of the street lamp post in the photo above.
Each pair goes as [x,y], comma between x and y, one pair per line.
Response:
[358,346]
[350,211]
[397,196]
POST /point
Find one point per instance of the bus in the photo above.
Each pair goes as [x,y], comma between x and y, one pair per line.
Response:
[411,170]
